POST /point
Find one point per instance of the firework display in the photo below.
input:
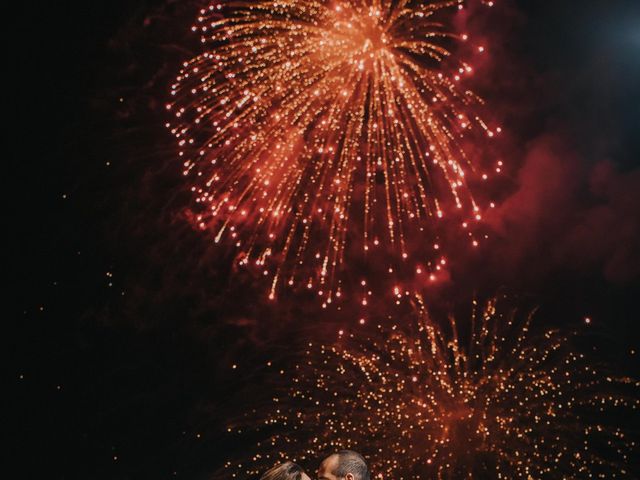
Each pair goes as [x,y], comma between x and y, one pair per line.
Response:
[324,240]
[487,398]
[318,135]
[316,130]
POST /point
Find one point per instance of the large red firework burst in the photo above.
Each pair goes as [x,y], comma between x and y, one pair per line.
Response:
[317,129]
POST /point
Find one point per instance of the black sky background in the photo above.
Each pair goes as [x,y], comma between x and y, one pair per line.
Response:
[124,325]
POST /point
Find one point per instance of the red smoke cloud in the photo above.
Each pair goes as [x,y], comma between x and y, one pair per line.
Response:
[568,214]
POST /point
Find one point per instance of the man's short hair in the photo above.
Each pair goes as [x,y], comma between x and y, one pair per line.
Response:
[353,463]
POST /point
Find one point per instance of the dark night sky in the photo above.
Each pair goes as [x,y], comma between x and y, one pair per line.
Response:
[120,339]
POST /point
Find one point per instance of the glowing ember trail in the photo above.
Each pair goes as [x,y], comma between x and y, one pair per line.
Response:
[496,401]
[314,130]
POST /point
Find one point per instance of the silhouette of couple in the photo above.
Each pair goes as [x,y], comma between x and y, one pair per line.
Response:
[343,465]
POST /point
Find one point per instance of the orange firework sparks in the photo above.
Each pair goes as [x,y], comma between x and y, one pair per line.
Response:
[497,401]
[316,129]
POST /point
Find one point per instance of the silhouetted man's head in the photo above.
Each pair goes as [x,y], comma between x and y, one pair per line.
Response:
[345,464]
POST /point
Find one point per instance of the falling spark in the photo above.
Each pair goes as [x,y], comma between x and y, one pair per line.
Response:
[495,402]
[312,130]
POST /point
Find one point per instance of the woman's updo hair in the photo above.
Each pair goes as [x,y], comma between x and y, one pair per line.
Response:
[286,471]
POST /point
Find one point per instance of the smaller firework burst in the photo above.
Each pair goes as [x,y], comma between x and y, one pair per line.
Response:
[493,401]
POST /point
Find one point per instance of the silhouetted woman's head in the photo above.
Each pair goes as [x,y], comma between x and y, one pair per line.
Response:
[286,471]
